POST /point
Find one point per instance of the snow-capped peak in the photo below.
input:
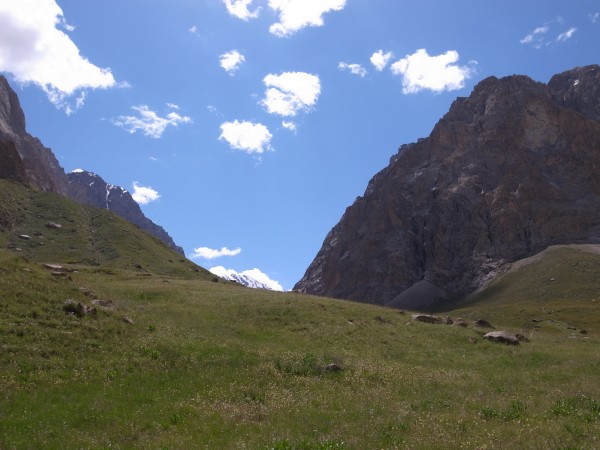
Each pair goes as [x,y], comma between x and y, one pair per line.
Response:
[250,278]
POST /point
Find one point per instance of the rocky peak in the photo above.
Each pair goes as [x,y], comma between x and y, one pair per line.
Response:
[578,89]
[505,173]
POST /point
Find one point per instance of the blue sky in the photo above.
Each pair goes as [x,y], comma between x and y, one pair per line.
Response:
[246,127]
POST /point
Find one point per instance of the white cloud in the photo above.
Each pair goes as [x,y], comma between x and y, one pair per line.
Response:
[563,37]
[380,60]
[290,92]
[255,274]
[34,50]
[594,17]
[193,29]
[289,125]
[239,9]
[536,36]
[420,71]
[262,278]
[355,69]
[148,122]
[297,14]
[173,106]
[144,194]
[246,136]
[209,253]
[231,61]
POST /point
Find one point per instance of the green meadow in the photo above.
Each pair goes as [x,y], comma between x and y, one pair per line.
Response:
[174,358]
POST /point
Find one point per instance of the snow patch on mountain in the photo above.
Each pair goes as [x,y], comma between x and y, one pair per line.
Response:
[253,278]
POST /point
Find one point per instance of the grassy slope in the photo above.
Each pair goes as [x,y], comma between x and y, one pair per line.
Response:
[215,365]
[558,291]
[88,236]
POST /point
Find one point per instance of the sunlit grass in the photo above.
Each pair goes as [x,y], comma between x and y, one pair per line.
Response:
[209,365]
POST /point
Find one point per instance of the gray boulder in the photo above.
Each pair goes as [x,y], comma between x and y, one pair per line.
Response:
[503,337]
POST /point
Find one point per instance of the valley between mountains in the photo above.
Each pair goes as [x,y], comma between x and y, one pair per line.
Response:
[455,305]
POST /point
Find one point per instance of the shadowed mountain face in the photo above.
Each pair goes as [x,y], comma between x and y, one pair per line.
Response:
[22,152]
[12,167]
[505,173]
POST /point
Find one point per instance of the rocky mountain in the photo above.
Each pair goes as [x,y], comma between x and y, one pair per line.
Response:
[505,173]
[24,158]
[90,189]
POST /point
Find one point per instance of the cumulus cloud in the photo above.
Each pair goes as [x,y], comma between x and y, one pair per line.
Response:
[255,274]
[231,61]
[35,48]
[144,194]
[251,138]
[240,9]
[148,122]
[290,92]
[355,69]
[380,60]
[297,14]
[563,37]
[420,71]
[209,253]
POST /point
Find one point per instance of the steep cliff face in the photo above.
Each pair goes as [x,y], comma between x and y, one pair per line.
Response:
[41,166]
[505,173]
[23,158]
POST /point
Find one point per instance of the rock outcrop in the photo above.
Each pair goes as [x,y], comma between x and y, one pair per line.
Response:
[41,166]
[90,189]
[505,173]
[23,158]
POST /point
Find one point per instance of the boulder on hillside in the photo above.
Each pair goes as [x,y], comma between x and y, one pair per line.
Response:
[426,318]
[79,309]
[483,324]
[503,337]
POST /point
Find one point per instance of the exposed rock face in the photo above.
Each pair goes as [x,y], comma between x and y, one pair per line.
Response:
[91,189]
[41,166]
[505,173]
[12,167]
